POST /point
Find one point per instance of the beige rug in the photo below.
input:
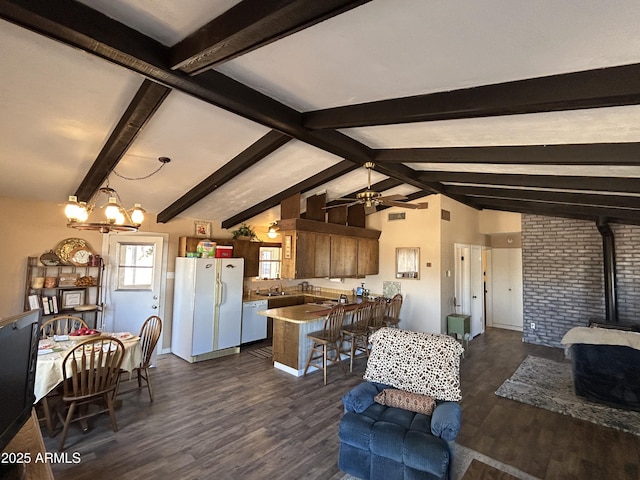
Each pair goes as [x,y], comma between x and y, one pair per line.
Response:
[463,457]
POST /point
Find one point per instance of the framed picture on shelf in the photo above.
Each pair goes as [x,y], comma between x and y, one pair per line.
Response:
[71,298]
[202,229]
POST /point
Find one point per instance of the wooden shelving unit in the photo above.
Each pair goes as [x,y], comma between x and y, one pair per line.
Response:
[92,294]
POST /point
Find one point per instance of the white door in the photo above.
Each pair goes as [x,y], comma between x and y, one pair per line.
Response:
[469,289]
[476,286]
[135,280]
[507,311]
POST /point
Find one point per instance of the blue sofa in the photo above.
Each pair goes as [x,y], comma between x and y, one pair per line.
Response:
[378,442]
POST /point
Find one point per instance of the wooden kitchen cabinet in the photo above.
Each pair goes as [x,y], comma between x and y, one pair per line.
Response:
[368,257]
[250,251]
[344,256]
[309,256]
[314,249]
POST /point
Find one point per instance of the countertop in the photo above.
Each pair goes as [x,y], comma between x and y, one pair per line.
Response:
[252,297]
[307,312]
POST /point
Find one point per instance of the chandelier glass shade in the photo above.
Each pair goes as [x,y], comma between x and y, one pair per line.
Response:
[84,215]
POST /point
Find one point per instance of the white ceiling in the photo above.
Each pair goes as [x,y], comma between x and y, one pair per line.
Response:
[59,104]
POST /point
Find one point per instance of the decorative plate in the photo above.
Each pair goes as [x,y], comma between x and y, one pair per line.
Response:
[65,247]
[49,259]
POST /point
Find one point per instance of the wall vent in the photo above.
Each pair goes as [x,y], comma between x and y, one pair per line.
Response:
[445,215]
[397,216]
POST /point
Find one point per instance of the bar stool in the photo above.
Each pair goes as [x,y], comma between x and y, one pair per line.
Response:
[392,315]
[357,333]
[325,341]
[378,311]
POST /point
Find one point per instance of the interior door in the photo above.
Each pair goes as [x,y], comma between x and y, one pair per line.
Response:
[507,288]
[469,288]
[135,280]
[476,287]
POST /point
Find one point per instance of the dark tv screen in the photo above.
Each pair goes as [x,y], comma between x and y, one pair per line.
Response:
[18,359]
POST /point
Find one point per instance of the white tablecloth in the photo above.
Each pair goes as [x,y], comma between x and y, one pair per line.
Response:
[49,368]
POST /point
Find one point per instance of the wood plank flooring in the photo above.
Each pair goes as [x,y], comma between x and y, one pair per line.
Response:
[237,417]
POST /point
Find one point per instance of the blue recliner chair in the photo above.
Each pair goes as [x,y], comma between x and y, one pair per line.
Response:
[380,442]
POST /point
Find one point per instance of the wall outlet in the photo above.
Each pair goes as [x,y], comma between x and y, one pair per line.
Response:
[533,325]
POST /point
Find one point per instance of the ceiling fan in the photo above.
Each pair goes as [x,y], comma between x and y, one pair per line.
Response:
[371,199]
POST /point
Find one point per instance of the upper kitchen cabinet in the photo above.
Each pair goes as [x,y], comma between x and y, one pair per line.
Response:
[305,254]
[368,256]
[344,256]
[314,249]
[250,251]
[246,249]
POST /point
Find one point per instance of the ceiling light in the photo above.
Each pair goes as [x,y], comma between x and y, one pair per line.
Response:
[272,232]
[82,215]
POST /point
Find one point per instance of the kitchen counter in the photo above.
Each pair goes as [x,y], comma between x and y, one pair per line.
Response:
[290,328]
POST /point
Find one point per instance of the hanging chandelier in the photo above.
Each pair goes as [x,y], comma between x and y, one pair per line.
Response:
[115,218]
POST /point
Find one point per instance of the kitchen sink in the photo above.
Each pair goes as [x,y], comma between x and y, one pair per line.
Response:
[273,294]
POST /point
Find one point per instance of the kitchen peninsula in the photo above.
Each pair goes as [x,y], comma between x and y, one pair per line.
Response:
[290,328]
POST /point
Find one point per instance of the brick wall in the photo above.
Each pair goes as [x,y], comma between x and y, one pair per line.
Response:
[562,275]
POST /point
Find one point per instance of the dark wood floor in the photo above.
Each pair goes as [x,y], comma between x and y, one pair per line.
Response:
[237,417]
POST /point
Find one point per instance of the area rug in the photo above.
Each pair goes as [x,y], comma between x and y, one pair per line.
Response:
[463,458]
[548,384]
[265,353]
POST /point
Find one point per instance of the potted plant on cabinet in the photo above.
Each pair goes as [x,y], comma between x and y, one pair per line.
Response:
[245,232]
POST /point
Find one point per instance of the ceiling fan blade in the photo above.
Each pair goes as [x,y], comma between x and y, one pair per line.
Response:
[327,207]
[415,206]
[392,198]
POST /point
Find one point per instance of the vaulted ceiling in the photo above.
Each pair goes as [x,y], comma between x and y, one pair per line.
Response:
[519,106]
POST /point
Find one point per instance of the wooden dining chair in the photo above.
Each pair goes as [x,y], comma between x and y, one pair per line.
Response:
[149,336]
[356,334]
[392,315]
[378,312]
[91,371]
[325,341]
[61,325]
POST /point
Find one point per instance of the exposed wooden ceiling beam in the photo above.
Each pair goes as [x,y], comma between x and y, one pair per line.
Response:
[566,211]
[605,87]
[553,197]
[79,26]
[246,159]
[570,154]
[310,183]
[249,25]
[145,103]
[597,184]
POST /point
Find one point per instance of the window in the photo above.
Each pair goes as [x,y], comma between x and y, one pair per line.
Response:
[270,262]
[135,266]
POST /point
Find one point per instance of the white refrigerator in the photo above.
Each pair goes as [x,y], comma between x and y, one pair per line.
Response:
[207,307]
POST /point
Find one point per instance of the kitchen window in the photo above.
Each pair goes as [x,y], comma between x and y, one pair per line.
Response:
[270,262]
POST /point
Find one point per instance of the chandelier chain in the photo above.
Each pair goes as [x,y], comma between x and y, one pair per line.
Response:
[140,178]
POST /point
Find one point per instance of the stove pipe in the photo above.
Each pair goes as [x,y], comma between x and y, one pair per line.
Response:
[609,256]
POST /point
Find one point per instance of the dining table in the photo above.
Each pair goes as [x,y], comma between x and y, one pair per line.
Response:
[52,352]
